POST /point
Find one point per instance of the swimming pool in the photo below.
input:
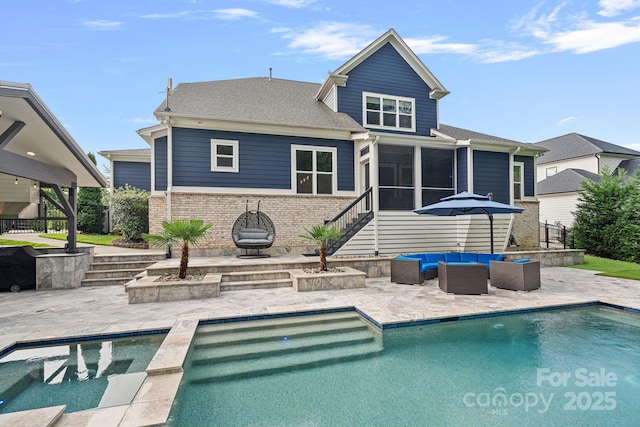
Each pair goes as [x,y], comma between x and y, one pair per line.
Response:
[80,373]
[575,366]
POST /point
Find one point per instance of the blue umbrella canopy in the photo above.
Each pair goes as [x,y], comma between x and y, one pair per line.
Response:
[465,203]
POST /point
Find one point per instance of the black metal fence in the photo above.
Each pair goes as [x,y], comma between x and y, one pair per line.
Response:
[51,220]
[555,236]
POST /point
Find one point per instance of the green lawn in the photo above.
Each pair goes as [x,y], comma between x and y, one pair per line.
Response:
[611,268]
[92,239]
[8,242]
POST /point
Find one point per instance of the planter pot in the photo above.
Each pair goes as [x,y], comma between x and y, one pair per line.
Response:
[345,278]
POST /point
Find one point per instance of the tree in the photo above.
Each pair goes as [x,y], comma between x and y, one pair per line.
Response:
[130,212]
[180,232]
[89,201]
[321,234]
[607,219]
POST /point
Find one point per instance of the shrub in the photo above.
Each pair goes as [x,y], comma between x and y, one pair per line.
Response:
[130,212]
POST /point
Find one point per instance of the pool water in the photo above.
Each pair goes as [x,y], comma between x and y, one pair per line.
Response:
[576,366]
[81,375]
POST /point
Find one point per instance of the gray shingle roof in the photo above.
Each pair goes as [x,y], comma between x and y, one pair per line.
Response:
[575,145]
[258,100]
[630,166]
[459,133]
[566,181]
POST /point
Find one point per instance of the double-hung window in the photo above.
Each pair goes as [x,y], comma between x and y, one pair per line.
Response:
[518,178]
[314,169]
[389,112]
[224,155]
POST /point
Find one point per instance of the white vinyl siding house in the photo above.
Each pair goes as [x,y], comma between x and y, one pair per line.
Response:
[558,208]
[588,163]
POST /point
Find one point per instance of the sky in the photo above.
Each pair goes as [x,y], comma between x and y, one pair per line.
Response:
[517,69]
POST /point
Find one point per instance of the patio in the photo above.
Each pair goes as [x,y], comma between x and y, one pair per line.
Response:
[105,310]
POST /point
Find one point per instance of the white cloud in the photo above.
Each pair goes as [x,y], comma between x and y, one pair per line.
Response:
[293,3]
[596,36]
[565,120]
[435,44]
[332,40]
[102,25]
[225,14]
[612,8]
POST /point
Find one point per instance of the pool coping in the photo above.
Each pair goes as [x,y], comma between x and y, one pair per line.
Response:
[154,400]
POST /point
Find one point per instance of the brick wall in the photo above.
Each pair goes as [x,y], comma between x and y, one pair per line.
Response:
[525,225]
[289,215]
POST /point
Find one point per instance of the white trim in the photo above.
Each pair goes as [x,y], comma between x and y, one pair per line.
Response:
[169,169]
[315,149]
[261,191]
[470,169]
[397,113]
[235,158]
[153,166]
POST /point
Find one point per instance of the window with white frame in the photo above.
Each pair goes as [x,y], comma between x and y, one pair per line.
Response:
[224,155]
[314,169]
[388,112]
[551,171]
[518,180]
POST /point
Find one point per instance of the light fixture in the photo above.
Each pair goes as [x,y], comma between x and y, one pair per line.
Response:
[16,182]
[30,153]
[35,185]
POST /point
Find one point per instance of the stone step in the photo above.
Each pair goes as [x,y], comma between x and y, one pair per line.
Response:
[256,284]
[277,346]
[120,265]
[291,331]
[108,274]
[245,276]
[106,282]
[129,257]
[282,363]
[277,322]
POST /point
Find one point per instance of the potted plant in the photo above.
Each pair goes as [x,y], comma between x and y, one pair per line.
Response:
[180,232]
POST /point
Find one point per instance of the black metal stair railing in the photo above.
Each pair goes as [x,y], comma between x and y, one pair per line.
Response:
[351,220]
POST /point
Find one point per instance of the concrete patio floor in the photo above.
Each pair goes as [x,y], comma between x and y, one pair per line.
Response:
[40,315]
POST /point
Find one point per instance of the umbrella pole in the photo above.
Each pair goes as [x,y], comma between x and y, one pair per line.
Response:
[491,227]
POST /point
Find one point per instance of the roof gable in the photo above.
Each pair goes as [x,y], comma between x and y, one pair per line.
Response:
[390,37]
[574,145]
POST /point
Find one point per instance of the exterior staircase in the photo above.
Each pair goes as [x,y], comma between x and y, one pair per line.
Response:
[235,350]
[118,269]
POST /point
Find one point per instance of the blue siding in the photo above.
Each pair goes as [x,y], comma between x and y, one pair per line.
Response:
[160,163]
[386,72]
[491,175]
[264,160]
[529,175]
[134,174]
[462,172]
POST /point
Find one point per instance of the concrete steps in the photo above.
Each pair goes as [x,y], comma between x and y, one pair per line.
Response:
[108,270]
[235,281]
[236,350]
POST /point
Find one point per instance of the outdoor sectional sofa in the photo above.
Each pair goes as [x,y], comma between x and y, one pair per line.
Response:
[416,268]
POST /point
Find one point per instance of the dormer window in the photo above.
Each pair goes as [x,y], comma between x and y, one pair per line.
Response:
[389,112]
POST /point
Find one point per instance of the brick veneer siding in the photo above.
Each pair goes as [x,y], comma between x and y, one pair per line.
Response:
[288,213]
[525,225]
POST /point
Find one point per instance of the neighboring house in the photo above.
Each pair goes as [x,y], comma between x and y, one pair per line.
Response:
[367,141]
[558,195]
[571,159]
[129,168]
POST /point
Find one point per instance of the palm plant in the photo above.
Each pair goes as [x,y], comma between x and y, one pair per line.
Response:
[180,232]
[321,234]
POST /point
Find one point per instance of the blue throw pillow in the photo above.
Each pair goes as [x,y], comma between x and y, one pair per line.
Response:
[452,257]
[468,257]
[522,260]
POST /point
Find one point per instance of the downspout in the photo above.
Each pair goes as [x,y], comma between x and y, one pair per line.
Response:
[169,167]
[598,160]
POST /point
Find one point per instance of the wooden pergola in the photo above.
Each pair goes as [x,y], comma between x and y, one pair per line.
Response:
[35,146]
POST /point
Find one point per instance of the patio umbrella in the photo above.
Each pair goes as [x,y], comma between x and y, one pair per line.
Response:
[465,203]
